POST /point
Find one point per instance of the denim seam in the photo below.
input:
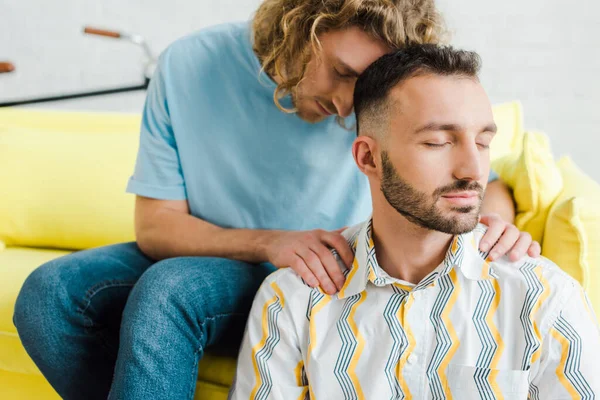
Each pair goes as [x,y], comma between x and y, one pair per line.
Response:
[87,300]
[200,348]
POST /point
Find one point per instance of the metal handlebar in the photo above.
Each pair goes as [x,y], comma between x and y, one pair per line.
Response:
[133,38]
[136,39]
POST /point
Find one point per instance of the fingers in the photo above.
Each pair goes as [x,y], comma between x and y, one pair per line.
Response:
[507,241]
[305,273]
[331,265]
[314,264]
[520,248]
[535,250]
[496,227]
[309,255]
[339,243]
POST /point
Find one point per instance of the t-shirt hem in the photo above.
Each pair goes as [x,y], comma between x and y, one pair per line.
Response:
[156,192]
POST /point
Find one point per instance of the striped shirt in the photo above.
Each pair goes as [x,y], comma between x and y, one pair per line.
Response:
[471,329]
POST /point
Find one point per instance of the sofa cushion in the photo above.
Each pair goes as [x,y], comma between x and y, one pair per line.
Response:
[15,265]
[509,138]
[63,178]
[572,238]
[535,181]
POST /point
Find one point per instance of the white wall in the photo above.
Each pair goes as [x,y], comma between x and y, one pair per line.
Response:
[543,52]
[45,42]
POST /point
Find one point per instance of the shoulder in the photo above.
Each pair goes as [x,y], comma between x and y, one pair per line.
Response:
[286,283]
[542,286]
[217,37]
[292,286]
[214,47]
[528,271]
[535,282]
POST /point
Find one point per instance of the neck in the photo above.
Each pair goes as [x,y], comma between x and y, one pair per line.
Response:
[404,250]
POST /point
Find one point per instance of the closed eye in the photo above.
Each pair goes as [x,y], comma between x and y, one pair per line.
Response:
[341,75]
[435,144]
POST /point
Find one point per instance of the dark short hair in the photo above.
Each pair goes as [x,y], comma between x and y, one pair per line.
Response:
[375,83]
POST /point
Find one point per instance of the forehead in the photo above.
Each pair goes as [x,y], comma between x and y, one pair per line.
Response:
[353,46]
[445,99]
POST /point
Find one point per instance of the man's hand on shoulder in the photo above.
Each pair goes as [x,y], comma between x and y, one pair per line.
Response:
[308,253]
[506,239]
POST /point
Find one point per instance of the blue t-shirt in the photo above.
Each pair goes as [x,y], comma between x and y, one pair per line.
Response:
[212,134]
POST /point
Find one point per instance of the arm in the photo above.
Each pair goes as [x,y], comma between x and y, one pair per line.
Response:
[270,364]
[165,228]
[498,199]
[570,353]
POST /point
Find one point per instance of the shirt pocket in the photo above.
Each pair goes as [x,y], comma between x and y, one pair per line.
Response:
[467,382]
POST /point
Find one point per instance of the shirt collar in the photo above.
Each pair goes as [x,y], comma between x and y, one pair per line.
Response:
[463,253]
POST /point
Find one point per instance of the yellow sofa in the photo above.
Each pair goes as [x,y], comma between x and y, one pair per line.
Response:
[62,180]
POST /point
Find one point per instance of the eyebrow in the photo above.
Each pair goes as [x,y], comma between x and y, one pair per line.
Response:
[349,69]
[432,126]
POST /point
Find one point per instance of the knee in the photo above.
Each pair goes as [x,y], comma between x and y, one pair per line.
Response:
[181,286]
[44,289]
[163,286]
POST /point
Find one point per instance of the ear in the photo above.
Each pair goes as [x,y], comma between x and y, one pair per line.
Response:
[365,150]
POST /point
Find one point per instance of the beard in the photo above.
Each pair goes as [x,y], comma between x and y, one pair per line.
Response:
[422,210]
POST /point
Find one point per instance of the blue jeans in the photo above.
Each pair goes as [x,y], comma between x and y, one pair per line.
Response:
[113,320]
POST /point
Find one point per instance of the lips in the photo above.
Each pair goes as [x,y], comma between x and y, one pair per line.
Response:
[462,198]
[323,109]
[462,195]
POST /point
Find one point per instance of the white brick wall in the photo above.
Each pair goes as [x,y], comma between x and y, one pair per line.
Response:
[543,52]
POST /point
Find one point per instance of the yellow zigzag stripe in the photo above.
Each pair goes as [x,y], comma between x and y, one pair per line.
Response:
[489,319]
[361,345]
[453,337]
[298,373]
[411,346]
[534,310]
[313,336]
[560,369]
[265,335]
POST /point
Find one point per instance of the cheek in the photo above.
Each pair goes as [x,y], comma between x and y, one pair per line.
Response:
[422,169]
[317,80]
[485,167]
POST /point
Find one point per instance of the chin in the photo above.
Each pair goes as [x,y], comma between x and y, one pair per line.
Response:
[310,117]
[466,220]
[458,221]
[464,225]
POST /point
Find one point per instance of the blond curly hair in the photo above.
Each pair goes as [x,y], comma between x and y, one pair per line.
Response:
[286,32]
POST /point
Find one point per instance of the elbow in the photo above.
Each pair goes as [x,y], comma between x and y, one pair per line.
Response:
[145,241]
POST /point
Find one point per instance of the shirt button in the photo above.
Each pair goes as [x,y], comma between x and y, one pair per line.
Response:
[412,359]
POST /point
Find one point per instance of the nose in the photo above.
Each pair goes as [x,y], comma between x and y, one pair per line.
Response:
[469,162]
[343,99]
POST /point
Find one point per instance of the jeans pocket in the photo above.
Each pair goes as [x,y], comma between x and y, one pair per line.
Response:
[467,382]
